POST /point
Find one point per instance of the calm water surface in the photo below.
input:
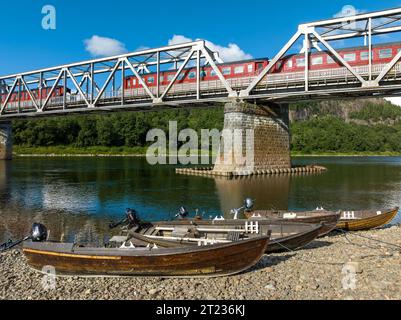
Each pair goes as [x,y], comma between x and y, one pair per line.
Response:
[77,197]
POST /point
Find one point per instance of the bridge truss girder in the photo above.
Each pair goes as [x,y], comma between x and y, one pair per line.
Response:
[91,79]
[99,84]
[321,34]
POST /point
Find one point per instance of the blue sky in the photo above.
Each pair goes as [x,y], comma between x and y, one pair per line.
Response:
[258,27]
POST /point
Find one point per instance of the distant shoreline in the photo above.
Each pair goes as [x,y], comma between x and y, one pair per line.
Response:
[140,152]
[361,155]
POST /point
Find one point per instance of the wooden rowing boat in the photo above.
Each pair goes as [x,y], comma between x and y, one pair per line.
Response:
[284,235]
[204,261]
[329,219]
[365,220]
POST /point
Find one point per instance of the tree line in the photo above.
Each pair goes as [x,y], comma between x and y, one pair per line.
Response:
[321,133]
[117,129]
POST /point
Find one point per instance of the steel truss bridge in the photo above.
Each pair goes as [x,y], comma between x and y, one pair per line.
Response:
[96,85]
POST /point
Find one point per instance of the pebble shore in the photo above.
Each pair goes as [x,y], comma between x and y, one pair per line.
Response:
[314,273]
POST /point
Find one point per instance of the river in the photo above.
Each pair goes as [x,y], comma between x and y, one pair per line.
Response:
[77,197]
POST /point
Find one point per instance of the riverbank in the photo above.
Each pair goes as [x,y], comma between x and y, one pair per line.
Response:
[70,151]
[314,273]
[346,154]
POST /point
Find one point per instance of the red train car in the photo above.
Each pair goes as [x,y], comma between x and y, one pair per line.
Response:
[42,94]
[231,70]
[357,56]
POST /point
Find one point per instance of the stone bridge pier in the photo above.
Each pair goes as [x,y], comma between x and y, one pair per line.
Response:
[6,144]
[271,139]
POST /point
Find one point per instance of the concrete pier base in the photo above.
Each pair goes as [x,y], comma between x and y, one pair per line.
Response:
[6,145]
[270,144]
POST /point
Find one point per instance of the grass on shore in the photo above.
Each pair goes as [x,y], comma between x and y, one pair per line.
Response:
[347,154]
[71,150]
[141,151]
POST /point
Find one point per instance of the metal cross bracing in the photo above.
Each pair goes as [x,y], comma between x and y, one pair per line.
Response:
[98,85]
[366,80]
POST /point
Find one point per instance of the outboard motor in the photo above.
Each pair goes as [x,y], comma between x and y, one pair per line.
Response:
[38,232]
[248,204]
[131,219]
[182,213]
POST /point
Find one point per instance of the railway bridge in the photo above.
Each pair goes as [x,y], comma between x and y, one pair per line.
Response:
[256,98]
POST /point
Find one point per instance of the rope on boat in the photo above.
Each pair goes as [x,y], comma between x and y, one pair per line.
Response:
[305,260]
[369,238]
[345,233]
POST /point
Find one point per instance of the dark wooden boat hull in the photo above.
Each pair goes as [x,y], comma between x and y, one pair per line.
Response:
[329,220]
[366,220]
[208,261]
[279,244]
[293,243]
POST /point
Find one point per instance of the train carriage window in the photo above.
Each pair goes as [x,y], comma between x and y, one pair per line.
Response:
[239,69]
[181,76]
[301,62]
[290,64]
[213,73]
[250,68]
[170,77]
[134,82]
[350,57]
[330,60]
[151,79]
[227,71]
[317,60]
[192,75]
[385,53]
[365,55]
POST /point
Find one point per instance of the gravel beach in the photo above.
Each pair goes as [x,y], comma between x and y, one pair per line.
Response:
[335,267]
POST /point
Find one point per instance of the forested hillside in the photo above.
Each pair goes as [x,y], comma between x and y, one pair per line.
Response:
[353,126]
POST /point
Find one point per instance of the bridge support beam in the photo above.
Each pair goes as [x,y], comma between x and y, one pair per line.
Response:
[271,138]
[6,145]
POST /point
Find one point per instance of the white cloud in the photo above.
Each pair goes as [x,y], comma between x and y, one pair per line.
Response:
[347,11]
[142,48]
[178,39]
[228,54]
[102,47]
